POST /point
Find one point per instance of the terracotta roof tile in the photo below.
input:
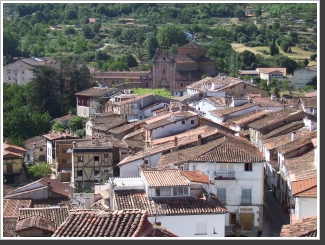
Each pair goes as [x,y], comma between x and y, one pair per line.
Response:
[35,222]
[224,149]
[120,74]
[301,163]
[103,223]
[230,110]
[11,207]
[64,118]
[276,132]
[191,45]
[10,154]
[134,143]
[314,141]
[309,102]
[182,58]
[305,227]
[219,101]
[302,175]
[275,117]
[137,199]
[311,94]
[197,176]
[267,70]
[249,117]
[165,178]
[13,148]
[55,214]
[266,102]
[9,227]
[106,124]
[298,143]
[58,135]
[304,188]
[38,140]
[136,132]
[121,129]
[96,91]
[135,98]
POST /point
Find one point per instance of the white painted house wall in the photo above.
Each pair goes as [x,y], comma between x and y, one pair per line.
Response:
[24,74]
[311,125]
[185,225]
[88,129]
[148,112]
[206,106]
[83,111]
[131,169]
[49,151]
[305,207]
[174,128]
[220,119]
[302,77]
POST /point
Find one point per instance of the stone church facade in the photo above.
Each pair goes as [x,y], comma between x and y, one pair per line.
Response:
[169,71]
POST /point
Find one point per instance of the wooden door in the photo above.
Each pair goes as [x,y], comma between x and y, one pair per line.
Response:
[9,168]
[246,220]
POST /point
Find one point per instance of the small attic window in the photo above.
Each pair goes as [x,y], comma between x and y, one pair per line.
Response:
[164,58]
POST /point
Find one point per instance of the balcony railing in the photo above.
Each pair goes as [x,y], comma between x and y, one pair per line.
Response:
[224,175]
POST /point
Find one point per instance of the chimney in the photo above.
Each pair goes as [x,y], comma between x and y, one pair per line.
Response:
[48,184]
[111,194]
[50,133]
[97,141]
[175,142]
[273,96]
[252,80]
[73,144]
[199,139]
[93,140]
[106,137]
[34,145]
[86,203]
[293,136]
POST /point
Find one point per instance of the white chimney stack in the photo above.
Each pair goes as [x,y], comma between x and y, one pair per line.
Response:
[87,203]
[293,136]
[111,194]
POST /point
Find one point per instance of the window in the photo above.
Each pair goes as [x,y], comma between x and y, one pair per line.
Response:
[192,121]
[41,149]
[27,157]
[194,167]
[105,155]
[183,122]
[181,84]
[180,191]
[164,70]
[96,172]
[80,158]
[223,167]
[246,197]
[147,84]
[244,86]
[186,166]
[96,158]
[22,72]
[146,162]
[8,78]
[221,194]
[79,173]
[248,166]
[163,191]
[41,158]
[201,228]
[233,219]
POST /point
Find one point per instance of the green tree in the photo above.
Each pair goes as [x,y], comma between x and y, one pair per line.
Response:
[286,85]
[306,62]
[313,82]
[285,45]
[76,123]
[39,170]
[96,26]
[239,12]
[130,60]
[313,57]
[274,48]
[10,43]
[171,34]
[247,58]
[150,46]
[58,126]
[257,11]
[87,32]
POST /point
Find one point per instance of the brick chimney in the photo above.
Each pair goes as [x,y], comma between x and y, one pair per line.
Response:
[175,142]
[199,139]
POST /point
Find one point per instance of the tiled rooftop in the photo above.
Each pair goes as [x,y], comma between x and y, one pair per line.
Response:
[10,154]
[225,149]
[275,117]
[11,207]
[109,124]
[230,110]
[9,227]
[276,132]
[135,98]
[267,70]
[13,148]
[103,223]
[64,118]
[305,227]
[301,163]
[96,91]
[139,144]
[309,102]
[266,102]
[56,187]
[298,143]
[219,101]
[197,176]
[191,45]
[121,129]
[38,140]
[35,222]
[182,58]
[55,214]
[304,188]
[51,202]
[249,117]
[136,132]
[120,74]
[311,94]
[128,182]
[305,174]
[59,135]
[314,141]
[137,199]
[157,178]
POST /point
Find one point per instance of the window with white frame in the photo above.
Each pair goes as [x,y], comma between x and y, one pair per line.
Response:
[163,191]
[221,194]
[201,228]
[246,196]
[180,191]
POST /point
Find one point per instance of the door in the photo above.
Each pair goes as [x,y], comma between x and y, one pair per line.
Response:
[9,168]
[246,220]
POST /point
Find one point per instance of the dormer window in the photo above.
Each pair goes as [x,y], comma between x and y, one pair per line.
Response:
[163,191]
[180,191]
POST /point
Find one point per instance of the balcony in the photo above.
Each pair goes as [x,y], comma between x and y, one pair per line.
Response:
[224,175]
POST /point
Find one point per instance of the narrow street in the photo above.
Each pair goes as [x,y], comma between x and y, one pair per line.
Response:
[273,215]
